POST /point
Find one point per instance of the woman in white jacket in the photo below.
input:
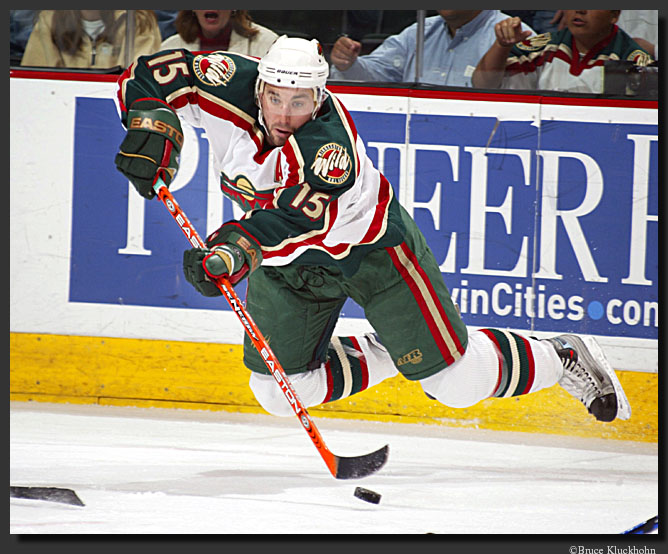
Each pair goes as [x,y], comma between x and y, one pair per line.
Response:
[210,30]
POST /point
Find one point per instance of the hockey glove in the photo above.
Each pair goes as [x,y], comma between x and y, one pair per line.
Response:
[152,144]
[202,266]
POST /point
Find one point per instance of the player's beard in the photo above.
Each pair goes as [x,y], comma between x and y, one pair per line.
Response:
[278,135]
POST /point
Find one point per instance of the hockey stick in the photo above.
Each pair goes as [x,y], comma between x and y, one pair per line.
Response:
[339,466]
[643,528]
[53,494]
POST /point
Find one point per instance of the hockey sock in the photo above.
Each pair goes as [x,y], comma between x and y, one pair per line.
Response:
[354,364]
[496,364]
[524,364]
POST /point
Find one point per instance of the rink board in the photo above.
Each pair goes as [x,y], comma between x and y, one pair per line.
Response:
[96,283]
[152,373]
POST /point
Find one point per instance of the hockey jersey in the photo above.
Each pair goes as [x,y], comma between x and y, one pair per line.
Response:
[551,61]
[318,199]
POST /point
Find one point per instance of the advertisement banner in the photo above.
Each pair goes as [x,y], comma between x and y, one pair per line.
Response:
[543,224]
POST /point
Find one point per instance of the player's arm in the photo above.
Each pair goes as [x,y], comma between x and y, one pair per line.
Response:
[159,76]
[302,215]
[154,134]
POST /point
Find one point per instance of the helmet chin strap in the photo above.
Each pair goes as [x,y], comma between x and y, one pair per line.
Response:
[259,88]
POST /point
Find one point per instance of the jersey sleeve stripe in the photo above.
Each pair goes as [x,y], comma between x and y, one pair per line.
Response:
[377,226]
[224,110]
[295,159]
[349,125]
[127,76]
[382,212]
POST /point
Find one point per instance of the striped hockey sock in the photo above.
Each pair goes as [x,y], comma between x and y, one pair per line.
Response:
[496,364]
[517,368]
[355,364]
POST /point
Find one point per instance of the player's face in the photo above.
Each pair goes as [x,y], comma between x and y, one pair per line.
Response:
[285,110]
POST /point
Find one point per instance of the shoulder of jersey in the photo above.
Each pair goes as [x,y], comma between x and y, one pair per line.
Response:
[327,147]
[227,75]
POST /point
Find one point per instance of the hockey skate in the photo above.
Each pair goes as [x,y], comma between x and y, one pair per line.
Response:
[589,377]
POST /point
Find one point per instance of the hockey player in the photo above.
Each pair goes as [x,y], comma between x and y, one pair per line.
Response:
[322,225]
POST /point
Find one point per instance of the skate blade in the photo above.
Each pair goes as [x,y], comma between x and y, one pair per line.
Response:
[623,406]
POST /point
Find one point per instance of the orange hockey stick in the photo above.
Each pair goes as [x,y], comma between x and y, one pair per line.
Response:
[340,467]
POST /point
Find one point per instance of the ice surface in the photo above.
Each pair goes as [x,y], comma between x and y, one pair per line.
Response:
[156,471]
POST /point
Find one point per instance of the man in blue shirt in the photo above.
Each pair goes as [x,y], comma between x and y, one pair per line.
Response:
[454,42]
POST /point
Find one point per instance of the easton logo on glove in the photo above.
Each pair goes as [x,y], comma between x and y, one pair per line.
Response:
[150,122]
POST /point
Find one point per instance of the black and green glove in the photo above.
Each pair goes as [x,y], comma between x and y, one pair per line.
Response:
[152,145]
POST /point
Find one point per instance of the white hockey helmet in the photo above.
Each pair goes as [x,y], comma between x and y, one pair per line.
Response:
[295,63]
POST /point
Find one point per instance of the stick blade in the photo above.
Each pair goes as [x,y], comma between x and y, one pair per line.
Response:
[361,466]
[52,494]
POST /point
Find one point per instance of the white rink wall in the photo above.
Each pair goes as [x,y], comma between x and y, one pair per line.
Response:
[88,257]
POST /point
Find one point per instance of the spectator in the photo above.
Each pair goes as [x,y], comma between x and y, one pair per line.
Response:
[643,26]
[569,60]
[548,21]
[541,21]
[454,41]
[209,30]
[166,20]
[20,26]
[88,38]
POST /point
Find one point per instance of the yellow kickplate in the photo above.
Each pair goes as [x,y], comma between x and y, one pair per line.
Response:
[204,376]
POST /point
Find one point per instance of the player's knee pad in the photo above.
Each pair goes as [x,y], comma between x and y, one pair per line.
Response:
[310,387]
[443,386]
[470,379]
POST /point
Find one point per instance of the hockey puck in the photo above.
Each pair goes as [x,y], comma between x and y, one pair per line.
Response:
[367,495]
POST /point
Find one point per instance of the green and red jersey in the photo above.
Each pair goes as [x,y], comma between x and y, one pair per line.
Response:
[316,200]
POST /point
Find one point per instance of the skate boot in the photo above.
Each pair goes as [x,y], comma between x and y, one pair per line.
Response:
[589,377]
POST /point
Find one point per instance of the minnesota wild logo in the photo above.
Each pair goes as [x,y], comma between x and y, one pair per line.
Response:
[332,163]
[535,42]
[214,69]
[639,57]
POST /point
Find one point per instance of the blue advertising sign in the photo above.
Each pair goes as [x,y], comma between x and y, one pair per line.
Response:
[104,269]
[560,238]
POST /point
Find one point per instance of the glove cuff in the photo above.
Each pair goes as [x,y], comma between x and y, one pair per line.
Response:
[229,236]
[223,260]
